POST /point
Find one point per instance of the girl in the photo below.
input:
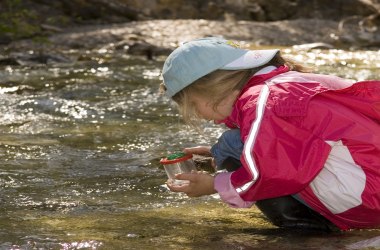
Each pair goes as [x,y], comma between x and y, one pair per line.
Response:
[309,135]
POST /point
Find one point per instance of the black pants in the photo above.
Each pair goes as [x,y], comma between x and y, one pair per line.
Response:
[286,211]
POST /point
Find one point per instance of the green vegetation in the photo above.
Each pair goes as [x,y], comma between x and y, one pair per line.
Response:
[16,21]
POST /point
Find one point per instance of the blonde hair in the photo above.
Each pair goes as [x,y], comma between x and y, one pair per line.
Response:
[219,84]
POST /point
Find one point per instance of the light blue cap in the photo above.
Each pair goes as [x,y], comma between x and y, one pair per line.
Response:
[197,58]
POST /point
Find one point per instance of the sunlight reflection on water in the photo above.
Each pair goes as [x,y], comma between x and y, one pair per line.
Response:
[80,148]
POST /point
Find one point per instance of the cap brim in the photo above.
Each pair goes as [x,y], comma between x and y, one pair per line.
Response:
[251,59]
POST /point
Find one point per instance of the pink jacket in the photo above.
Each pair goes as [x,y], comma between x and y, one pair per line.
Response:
[313,135]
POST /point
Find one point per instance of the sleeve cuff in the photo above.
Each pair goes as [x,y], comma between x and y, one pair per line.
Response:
[228,192]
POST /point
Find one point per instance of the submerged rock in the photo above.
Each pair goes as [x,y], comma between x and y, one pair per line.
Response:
[34,59]
[203,163]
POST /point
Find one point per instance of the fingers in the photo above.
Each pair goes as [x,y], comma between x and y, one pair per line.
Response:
[197,184]
[192,177]
[183,188]
[199,150]
[178,187]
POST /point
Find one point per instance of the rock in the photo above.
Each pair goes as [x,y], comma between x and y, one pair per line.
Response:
[5,39]
[159,37]
[145,36]
[28,15]
[8,61]
[51,28]
[34,59]
[311,46]
[203,163]
[146,49]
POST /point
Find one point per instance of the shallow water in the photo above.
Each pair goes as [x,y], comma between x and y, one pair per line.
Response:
[79,151]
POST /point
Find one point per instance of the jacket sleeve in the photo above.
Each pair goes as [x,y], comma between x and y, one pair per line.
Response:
[279,158]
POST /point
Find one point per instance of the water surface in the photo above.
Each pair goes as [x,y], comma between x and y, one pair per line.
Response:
[79,161]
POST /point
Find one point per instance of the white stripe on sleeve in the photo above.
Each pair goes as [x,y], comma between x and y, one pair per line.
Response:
[250,142]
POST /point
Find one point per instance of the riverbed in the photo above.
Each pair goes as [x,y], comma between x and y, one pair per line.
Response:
[79,150]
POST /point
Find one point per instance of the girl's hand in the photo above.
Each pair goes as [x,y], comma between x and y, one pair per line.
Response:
[200,183]
[199,150]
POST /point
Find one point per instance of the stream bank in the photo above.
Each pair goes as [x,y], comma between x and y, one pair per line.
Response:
[159,37]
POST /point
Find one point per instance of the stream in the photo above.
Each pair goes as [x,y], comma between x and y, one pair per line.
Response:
[80,146]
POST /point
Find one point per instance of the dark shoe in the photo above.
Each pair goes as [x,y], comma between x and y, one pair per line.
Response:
[286,211]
